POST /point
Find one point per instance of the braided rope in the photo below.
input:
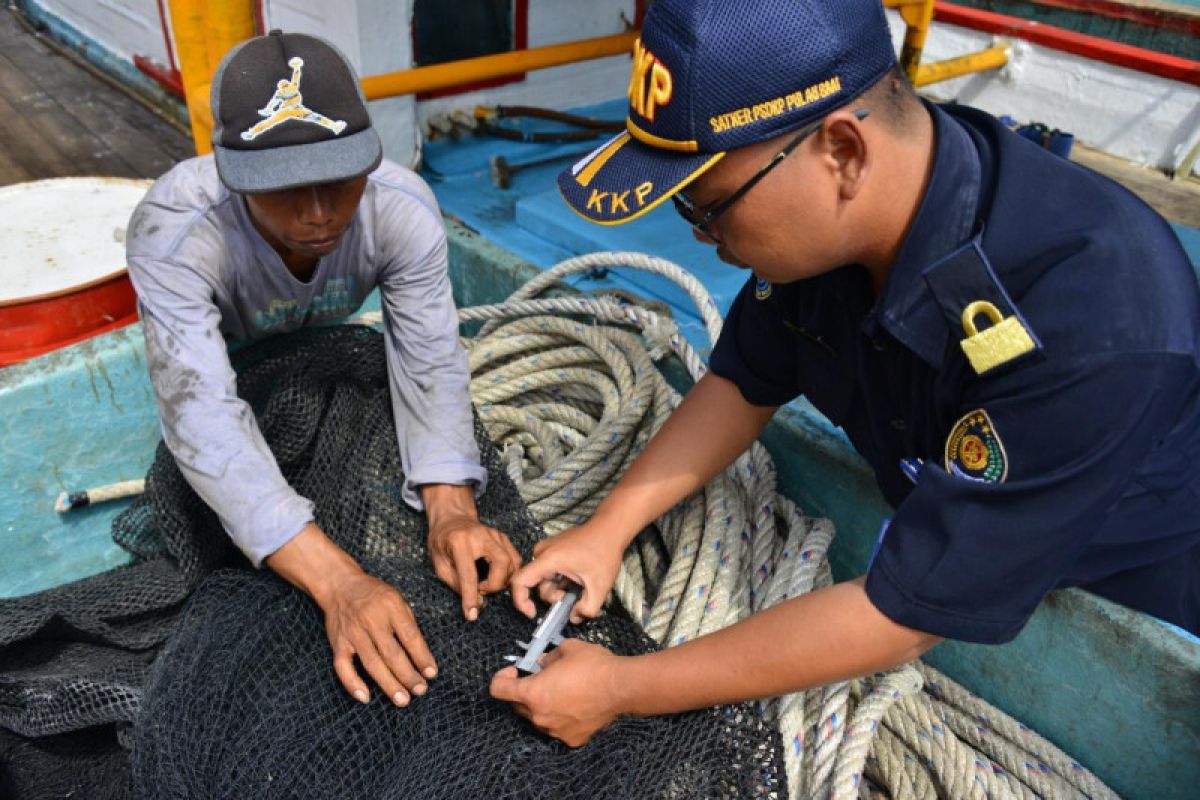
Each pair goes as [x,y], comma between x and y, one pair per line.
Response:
[572,397]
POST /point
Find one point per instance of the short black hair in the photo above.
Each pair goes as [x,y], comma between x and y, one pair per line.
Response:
[893,100]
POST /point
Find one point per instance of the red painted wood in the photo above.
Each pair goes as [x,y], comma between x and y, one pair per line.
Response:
[1163,18]
[1093,47]
[169,79]
[32,326]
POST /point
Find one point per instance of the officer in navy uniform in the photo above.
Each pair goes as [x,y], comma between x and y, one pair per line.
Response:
[1010,340]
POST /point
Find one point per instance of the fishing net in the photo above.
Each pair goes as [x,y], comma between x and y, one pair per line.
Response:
[188,674]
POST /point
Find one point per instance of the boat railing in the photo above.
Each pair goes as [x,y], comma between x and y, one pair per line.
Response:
[206,29]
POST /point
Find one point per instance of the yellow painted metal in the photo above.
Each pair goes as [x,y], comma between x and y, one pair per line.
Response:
[473,70]
[187,24]
[917,16]
[991,58]
[204,31]
[227,22]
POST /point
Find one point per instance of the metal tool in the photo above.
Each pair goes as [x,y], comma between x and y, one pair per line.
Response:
[548,632]
[503,172]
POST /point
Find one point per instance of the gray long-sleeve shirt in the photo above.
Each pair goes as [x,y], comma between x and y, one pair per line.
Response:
[203,272]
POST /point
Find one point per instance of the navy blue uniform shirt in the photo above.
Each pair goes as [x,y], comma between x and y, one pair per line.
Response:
[1074,464]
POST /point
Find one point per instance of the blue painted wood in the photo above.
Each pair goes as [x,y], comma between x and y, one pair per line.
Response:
[530,220]
[79,417]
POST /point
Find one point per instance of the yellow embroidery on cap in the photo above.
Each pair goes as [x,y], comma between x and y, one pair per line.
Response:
[770,109]
[287,103]
[643,191]
[690,146]
[992,347]
[585,175]
[595,202]
[650,84]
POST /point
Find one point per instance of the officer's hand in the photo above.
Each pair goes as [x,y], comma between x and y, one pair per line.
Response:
[367,618]
[583,554]
[456,544]
[575,694]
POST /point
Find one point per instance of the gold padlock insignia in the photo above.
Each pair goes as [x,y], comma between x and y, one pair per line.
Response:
[1005,340]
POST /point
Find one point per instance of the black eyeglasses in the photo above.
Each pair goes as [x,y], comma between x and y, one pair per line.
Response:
[702,218]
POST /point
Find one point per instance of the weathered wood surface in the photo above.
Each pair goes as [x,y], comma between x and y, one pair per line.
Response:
[58,119]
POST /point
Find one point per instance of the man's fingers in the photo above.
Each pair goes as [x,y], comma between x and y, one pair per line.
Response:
[445,572]
[506,685]
[406,630]
[549,658]
[503,560]
[468,580]
[397,662]
[588,607]
[379,671]
[550,590]
[512,552]
[522,583]
[343,665]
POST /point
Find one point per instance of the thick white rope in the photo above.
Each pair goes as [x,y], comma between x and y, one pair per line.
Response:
[572,397]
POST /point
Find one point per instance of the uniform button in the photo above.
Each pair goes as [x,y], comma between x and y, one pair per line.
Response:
[880,345]
[899,424]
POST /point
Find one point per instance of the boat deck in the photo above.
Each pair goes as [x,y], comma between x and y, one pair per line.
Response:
[60,118]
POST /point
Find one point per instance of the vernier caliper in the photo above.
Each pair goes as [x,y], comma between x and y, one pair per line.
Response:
[548,632]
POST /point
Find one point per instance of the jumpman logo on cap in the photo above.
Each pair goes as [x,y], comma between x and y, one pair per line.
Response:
[287,103]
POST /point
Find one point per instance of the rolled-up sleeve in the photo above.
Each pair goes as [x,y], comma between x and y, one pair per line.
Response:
[210,431]
[427,365]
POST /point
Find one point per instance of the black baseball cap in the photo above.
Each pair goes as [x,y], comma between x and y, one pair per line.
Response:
[289,111]
[711,76]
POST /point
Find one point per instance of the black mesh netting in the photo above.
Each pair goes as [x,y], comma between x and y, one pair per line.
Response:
[189,674]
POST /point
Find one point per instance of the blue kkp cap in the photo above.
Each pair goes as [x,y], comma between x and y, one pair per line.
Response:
[714,75]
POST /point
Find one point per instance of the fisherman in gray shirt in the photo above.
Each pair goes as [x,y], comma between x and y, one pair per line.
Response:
[293,221]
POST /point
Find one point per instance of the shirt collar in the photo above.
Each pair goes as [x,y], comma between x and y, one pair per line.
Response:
[945,221]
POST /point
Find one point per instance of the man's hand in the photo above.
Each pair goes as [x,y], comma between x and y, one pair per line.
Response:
[585,555]
[575,695]
[364,617]
[456,545]
[457,540]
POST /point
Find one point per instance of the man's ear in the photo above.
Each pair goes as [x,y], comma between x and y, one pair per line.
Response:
[846,151]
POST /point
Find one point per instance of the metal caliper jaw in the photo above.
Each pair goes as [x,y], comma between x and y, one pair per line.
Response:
[548,633]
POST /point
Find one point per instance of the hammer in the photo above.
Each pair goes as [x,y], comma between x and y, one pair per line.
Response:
[502,171]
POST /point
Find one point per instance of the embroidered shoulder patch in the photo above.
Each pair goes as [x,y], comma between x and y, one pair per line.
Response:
[762,289]
[974,450]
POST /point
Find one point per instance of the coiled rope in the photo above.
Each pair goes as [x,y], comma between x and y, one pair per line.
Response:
[572,396]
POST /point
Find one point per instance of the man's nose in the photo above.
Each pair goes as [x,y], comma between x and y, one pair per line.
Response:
[315,207]
[705,238]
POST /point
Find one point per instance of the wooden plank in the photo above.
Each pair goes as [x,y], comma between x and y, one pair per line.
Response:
[24,142]
[79,151]
[1178,201]
[60,119]
[11,170]
[121,128]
